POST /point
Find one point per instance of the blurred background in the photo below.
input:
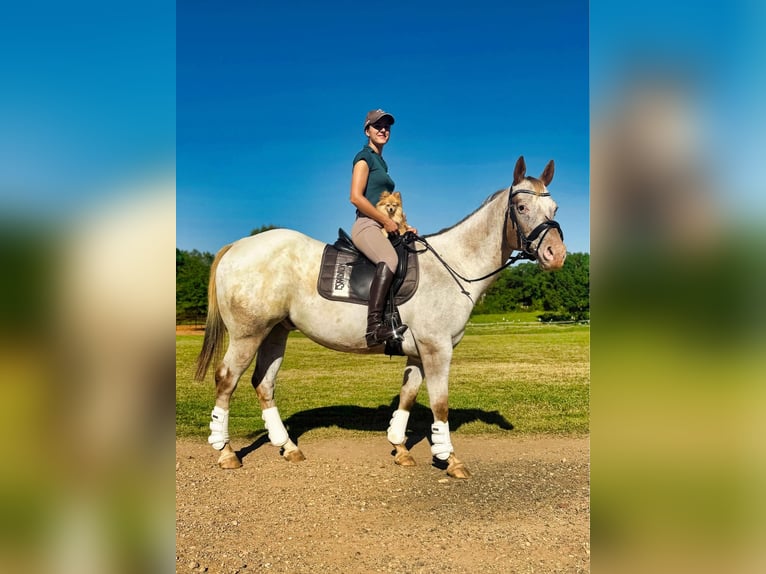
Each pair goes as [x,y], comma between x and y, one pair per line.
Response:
[678,334]
[87,209]
[87,235]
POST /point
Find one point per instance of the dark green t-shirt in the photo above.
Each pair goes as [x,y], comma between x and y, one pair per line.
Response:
[378,181]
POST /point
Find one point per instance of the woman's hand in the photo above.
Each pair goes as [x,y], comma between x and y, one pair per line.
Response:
[390,225]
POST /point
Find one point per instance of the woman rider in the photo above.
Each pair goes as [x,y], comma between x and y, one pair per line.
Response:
[369,179]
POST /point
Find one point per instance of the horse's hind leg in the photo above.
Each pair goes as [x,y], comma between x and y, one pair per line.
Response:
[413,378]
[270,355]
[237,359]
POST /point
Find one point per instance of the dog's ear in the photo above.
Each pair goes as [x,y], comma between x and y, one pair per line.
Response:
[384,195]
[397,195]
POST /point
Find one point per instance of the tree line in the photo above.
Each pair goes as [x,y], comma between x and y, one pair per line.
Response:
[562,295]
[192,274]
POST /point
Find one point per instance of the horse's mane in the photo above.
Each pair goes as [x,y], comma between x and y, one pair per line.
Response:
[484,203]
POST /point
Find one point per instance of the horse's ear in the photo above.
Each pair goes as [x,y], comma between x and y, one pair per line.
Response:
[520,170]
[547,175]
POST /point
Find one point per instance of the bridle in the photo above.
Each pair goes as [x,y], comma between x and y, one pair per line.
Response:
[525,241]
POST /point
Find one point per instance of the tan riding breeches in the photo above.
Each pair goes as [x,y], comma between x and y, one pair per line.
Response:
[369,240]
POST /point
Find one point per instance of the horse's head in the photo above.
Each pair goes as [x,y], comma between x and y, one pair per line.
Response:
[530,212]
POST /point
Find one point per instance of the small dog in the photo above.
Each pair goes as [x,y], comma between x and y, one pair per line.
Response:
[391,205]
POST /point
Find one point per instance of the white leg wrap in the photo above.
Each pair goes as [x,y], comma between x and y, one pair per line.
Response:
[441,447]
[398,426]
[219,428]
[273,423]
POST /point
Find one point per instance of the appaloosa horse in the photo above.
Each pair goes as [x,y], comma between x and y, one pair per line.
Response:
[264,286]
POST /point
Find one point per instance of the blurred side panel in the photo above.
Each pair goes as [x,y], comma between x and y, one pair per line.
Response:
[87,235]
[678,276]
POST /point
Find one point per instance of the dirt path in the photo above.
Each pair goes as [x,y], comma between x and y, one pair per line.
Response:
[349,509]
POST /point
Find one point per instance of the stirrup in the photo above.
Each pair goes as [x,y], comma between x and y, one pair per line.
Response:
[398,333]
[397,327]
[374,338]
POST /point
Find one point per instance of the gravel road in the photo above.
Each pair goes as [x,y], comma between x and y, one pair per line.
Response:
[349,509]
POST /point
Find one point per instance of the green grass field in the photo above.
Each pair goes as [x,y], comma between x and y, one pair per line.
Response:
[507,377]
[510,317]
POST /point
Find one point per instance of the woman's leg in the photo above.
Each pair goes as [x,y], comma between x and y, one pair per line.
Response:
[370,241]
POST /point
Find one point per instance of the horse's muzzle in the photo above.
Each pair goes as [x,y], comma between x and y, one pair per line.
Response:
[551,252]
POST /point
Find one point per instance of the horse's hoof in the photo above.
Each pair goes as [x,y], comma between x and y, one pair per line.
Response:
[229,461]
[294,455]
[404,459]
[402,456]
[228,458]
[457,469]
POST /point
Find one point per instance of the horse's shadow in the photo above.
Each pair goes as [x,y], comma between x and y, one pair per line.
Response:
[352,417]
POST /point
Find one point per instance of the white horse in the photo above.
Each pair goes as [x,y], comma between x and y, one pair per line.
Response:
[264,286]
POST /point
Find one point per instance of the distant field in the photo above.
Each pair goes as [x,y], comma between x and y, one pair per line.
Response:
[513,317]
[508,376]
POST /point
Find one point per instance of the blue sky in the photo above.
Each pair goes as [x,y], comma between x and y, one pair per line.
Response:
[87,102]
[268,102]
[271,99]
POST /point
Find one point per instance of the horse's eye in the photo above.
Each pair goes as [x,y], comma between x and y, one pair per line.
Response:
[520,207]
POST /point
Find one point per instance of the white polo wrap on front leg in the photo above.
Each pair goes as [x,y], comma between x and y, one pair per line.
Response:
[219,428]
[273,423]
[397,427]
[441,447]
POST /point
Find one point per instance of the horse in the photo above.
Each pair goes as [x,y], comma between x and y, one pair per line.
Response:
[264,286]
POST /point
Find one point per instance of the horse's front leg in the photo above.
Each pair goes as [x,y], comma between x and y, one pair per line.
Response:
[413,378]
[270,356]
[436,364]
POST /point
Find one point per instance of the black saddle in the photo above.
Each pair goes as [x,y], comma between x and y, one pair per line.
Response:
[346,274]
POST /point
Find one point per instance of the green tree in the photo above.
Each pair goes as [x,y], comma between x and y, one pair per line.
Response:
[192,275]
[263,228]
[566,293]
[559,295]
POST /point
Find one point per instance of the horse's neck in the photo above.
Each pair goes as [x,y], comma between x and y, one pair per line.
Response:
[477,246]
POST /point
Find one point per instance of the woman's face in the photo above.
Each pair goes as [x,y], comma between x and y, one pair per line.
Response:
[379,132]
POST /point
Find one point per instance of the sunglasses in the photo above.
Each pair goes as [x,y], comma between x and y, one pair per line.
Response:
[381,126]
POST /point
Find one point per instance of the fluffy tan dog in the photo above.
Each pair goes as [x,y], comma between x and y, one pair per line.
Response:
[391,205]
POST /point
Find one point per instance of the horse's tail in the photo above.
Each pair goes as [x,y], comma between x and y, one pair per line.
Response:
[214,327]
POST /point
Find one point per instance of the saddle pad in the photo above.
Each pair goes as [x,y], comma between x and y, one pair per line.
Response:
[345,276]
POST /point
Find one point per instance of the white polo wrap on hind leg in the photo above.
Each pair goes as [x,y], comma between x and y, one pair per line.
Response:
[273,423]
[397,427]
[441,447]
[219,428]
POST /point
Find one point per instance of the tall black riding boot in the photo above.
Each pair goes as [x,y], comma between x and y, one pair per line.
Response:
[378,332]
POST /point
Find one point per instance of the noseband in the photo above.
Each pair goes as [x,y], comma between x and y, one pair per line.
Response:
[526,241]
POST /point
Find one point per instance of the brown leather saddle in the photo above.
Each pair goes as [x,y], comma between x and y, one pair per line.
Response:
[346,274]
